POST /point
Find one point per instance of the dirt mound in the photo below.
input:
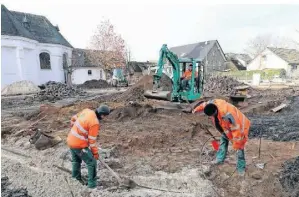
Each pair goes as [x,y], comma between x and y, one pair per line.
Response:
[166,83]
[131,112]
[7,192]
[221,85]
[274,126]
[91,84]
[135,93]
[289,177]
[53,91]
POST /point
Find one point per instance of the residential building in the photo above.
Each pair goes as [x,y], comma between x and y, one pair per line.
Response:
[32,49]
[85,68]
[210,52]
[277,58]
[238,60]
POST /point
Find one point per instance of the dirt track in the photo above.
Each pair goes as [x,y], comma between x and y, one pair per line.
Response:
[157,148]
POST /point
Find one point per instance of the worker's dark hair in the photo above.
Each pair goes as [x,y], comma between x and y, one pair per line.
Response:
[190,65]
[210,109]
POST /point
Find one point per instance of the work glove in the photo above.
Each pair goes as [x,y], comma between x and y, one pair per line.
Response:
[96,156]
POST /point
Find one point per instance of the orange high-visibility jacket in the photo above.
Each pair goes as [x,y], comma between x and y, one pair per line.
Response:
[188,74]
[85,128]
[232,120]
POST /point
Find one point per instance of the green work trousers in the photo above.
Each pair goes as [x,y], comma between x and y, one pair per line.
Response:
[221,154]
[86,155]
[185,84]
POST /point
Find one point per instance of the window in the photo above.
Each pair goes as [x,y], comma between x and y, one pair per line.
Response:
[44,59]
[89,72]
[294,67]
[264,57]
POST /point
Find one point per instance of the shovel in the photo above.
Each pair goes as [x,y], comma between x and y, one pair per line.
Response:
[128,183]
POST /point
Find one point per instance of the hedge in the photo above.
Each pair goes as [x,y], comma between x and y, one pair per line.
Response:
[247,75]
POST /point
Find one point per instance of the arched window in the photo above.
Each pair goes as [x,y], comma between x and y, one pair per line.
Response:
[44,59]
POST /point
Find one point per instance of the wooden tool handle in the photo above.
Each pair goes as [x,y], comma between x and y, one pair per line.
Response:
[112,172]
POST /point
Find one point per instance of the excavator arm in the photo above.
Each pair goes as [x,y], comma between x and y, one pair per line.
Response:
[165,53]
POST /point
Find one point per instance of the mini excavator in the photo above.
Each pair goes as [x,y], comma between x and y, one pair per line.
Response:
[178,94]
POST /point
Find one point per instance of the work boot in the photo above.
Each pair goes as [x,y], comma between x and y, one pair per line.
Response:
[216,162]
[82,182]
[241,173]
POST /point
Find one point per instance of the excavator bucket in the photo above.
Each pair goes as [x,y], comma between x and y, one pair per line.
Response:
[160,95]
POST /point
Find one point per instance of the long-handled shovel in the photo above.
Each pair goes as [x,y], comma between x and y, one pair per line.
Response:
[128,183]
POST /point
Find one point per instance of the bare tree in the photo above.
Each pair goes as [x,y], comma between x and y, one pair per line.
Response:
[128,55]
[261,42]
[107,48]
[258,44]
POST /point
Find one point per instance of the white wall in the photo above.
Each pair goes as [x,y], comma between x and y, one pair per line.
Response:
[9,67]
[80,75]
[20,61]
[271,60]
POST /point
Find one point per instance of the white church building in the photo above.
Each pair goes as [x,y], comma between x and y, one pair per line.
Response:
[31,49]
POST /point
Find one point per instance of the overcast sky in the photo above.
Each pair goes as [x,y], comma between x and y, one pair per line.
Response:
[146,27]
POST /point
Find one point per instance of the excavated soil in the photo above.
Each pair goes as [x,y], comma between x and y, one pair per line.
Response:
[91,84]
[154,147]
[289,177]
[281,126]
[136,92]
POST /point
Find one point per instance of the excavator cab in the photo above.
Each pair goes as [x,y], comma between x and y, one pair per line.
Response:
[194,88]
[178,94]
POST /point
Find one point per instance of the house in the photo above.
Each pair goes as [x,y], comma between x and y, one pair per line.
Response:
[139,68]
[136,70]
[85,68]
[277,58]
[210,52]
[32,49]
[238,60]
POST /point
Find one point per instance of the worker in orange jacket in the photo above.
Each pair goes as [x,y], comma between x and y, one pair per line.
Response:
[186,77]
[233,125]
[82,142]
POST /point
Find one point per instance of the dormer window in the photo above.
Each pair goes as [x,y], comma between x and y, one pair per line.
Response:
[25,22]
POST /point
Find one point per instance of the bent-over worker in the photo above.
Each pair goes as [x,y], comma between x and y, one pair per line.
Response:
[232,124]
[186,77]
[82,142]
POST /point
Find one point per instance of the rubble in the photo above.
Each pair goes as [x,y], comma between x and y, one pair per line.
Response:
[53,91]
[221,85]
[8,192]
[289,177]
[92,84]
